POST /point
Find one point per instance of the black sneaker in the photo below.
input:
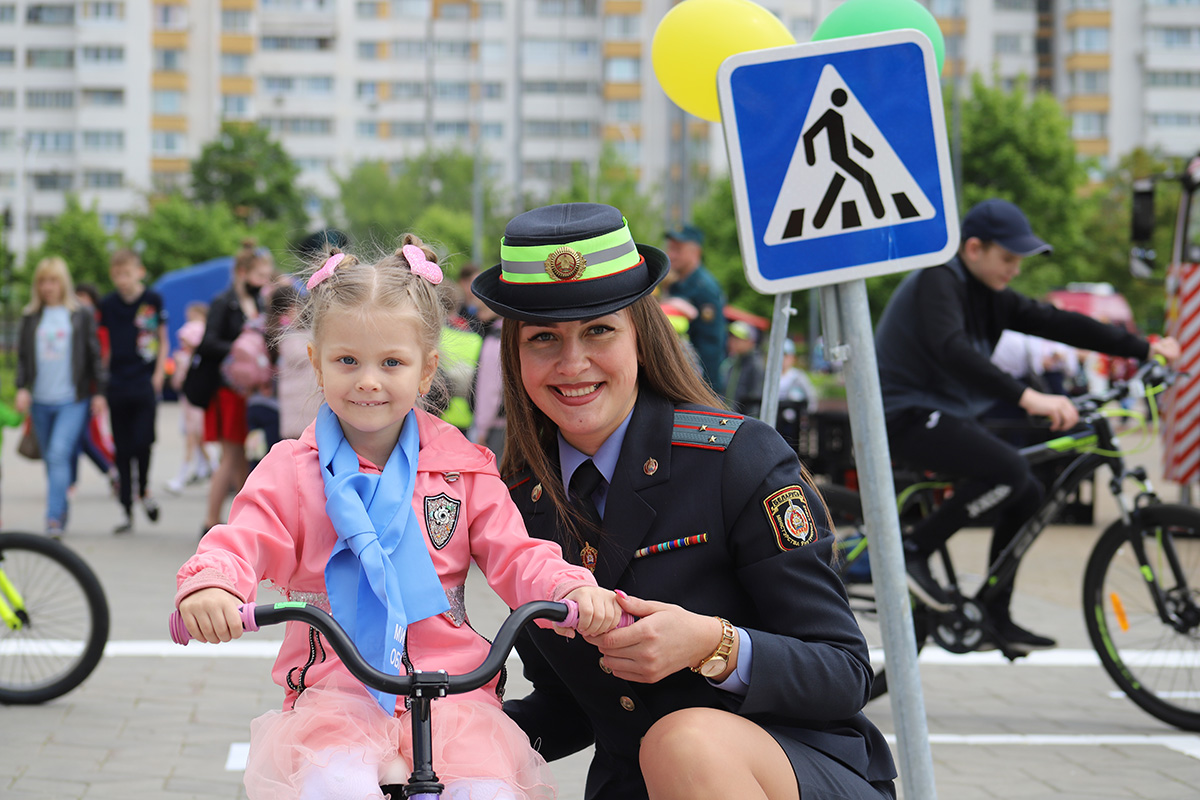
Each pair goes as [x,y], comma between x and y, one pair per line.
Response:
[126,526]
[151,506]
[921,581]
[1021,640]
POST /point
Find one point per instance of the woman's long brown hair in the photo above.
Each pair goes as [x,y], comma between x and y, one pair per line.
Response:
[530,436]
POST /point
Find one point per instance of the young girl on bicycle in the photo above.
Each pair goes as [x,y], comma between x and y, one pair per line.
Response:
[376,513]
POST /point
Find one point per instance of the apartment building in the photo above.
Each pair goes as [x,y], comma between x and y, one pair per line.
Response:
[114,99]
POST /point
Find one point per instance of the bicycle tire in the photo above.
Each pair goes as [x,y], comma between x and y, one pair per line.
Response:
[1155,664]
[65,620]
[845,509]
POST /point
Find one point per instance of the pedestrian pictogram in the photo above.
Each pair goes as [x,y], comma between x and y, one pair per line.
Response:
[838,159]
[831,185]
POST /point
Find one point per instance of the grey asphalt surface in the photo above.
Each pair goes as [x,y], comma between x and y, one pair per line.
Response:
[159,721]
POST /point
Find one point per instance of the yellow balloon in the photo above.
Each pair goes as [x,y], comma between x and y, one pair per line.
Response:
[695,36]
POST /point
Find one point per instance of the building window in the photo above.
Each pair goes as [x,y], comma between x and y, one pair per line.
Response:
[313,164]
[492,130]
[166,143]
[169,60]
[491,51]
[104,141]
[567,8]
[408,48]
[452,90]
[407,90]
[1174,38]
[1089,82]
[50,14]
[49,98]
[7,180]
[623,26]
[1089,40]
[491,90]
[294,43]
[102,11]
[93,54]
[167,101]
[235,64]
[369,51]
[169,17]
[1015,5]
[1173,80]
[103,180]
[233,21]
[367,9]
[559,128]
[316,84]
[1101,5]
[51,141]
[491,10]
[1089,125]
[235,106]
[946,8]
[541,51]
[451,130]
[456,51]
[53,181]
[302,126]
[407,130]
[411,9]
[624,111]
[367,129]
[1177,119]
[7,57]
[622,70]
[628,150]
[454,10]
[50,58]
[103,97]
[8,14]
[8,98]
[1011,44]
[578,88]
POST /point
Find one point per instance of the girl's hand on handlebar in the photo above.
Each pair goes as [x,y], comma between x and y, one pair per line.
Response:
[1166,347]
[599,611]
[666,639]
[1062,412]
[211,615]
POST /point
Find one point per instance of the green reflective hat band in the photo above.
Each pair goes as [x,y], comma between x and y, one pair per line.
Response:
[606,254]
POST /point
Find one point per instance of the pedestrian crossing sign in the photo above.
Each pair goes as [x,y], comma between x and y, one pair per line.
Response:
[839,160]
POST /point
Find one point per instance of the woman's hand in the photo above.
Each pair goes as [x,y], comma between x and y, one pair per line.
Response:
[23,401]
[666,639]
[599,611]
[211,615]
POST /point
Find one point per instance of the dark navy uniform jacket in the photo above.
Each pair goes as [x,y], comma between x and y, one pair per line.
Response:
[765,567]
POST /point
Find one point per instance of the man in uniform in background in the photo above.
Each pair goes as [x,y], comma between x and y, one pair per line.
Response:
[691,281]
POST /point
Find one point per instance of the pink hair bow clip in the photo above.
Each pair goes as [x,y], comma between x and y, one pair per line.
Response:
[326,270]
[420,265]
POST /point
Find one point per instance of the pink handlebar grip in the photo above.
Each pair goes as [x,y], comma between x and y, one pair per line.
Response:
[179,631]
[572,619]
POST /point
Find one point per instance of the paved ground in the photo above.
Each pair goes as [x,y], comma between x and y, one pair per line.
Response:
[159,721]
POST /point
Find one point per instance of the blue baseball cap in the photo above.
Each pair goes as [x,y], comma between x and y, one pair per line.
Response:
[1000,221]
[687,233]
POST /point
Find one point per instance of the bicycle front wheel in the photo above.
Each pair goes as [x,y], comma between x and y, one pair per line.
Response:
[1141,592]
[55,621]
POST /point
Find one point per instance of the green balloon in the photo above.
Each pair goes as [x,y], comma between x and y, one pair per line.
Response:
[856,17]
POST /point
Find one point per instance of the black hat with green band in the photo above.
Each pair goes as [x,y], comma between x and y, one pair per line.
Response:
[569,262]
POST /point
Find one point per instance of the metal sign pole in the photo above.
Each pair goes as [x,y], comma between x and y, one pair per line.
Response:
[851,336]
[780,318]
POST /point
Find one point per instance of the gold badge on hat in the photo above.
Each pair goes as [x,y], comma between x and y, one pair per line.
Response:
[565,264]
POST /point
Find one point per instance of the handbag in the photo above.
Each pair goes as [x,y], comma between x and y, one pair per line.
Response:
[29,446]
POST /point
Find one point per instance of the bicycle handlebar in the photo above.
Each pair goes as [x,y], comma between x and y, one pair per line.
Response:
[1150,372]
[564,614]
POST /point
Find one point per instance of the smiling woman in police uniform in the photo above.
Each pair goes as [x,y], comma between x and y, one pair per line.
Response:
[745,674]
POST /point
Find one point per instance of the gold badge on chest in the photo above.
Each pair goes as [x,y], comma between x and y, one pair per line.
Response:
[588,556]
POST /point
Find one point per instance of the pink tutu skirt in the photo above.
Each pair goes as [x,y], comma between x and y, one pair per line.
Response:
[338,725]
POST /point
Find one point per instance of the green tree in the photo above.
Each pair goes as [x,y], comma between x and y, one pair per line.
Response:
[80,239]
[250,173]
[176,233]
[614,182]
[378,202]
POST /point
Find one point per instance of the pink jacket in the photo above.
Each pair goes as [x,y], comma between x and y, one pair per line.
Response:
[278,531]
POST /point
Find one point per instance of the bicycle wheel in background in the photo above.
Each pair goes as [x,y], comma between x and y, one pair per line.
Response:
[56,622]
[1154,659]
[845,508]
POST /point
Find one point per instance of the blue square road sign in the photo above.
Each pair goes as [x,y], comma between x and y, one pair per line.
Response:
[839,160]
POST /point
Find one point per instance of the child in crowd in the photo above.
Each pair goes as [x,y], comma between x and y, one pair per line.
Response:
[95,441]
[376,465]
[136,321]
[195,466]
[299,396]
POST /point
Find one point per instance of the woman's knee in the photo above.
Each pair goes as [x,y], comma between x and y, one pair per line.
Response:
[679,740]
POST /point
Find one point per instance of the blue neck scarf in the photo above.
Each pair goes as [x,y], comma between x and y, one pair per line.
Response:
[380,577]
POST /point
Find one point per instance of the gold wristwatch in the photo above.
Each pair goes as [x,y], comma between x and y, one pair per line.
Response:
[715,664]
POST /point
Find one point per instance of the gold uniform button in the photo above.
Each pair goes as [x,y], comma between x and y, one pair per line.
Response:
[626,703]
[604,667]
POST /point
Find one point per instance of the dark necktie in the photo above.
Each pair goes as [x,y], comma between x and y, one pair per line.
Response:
[584,482]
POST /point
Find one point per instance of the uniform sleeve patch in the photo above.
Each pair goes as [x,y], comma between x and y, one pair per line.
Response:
[787,509]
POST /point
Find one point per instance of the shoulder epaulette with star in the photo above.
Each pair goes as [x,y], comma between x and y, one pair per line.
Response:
[705,429]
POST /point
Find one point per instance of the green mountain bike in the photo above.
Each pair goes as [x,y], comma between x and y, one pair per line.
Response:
[1141,587]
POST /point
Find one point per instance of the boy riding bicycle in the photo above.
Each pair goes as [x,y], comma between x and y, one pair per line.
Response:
[934,344]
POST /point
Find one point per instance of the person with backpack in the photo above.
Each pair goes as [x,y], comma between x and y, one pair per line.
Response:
[136,321]
[225,408]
